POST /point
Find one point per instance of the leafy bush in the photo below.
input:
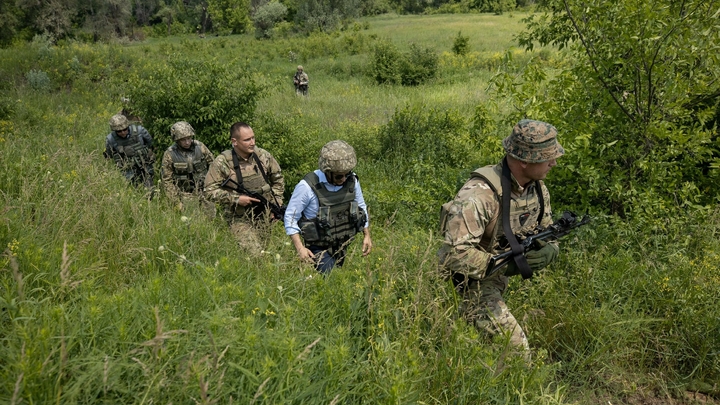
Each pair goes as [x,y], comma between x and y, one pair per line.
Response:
[266,16]
[424,155]
[38,80]
[209,95]
[419,65]
[388,65]
[461,44]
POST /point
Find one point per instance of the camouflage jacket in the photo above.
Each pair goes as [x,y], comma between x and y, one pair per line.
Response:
[301,78]
[472,222]
[222,168]
[184,170]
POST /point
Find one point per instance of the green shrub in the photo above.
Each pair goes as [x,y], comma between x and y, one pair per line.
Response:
[419,65]
[209,95]
[461,44]
[424,155]
[389,65]
[386,63]
[38,80]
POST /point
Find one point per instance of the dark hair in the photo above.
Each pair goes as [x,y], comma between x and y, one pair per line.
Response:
[236,127]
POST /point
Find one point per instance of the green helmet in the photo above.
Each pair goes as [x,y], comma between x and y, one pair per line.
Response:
[180,130]
[533,142]
[118,122]
[337,157]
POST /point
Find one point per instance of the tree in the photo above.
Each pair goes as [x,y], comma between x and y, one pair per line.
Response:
[266,16]
[231,16]
[635,103]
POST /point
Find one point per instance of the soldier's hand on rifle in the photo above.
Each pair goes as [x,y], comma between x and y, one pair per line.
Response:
[246,200]
[543,254]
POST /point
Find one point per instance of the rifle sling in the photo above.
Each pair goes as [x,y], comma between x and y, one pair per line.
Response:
[517,250]
[238,173]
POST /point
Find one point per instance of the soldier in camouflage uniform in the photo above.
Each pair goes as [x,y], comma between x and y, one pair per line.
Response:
[327,209]
[184,166]
[301,81]
[130,147]
[259,172]
[472,227]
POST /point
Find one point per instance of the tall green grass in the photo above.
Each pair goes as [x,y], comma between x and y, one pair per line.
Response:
[106,297]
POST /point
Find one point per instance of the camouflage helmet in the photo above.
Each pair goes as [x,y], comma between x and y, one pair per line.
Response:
[533,142]
[300,67]
[180,130]
[337,157]
[118,122]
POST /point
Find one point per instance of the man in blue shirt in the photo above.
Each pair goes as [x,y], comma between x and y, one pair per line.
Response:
[327,209]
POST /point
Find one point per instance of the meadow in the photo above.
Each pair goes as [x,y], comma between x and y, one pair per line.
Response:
[106,297]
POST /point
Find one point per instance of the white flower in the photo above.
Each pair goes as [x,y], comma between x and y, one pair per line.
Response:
[184,218]
[277,256]
[183,257]
[161,248]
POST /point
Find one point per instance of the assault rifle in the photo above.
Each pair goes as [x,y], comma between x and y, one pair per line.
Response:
[563,226]
[278,212]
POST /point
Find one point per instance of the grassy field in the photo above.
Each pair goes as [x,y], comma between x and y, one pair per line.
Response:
[106,297]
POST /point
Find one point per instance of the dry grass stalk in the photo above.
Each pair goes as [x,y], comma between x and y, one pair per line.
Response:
[160,336]
[16,393]
[309,347]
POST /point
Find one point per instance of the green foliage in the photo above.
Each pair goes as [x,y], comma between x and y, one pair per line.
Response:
[266,16]
[207,94]
[461,44]
[419,65]
[38,80]
[493,6]
[325,15]
[628,107]
[157,308]
[425,153]
[230,16]
[386,63]
[415,67]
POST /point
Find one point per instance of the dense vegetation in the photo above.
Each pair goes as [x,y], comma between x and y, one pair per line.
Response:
[106,297]
[102,20]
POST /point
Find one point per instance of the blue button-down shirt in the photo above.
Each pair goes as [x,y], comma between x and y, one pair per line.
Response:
[305,202]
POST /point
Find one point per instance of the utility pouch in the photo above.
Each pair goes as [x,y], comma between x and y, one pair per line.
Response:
[324,218]
[309,231]
[129,151]
[181,168]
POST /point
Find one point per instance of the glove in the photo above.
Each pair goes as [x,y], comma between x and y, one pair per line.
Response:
[543,254]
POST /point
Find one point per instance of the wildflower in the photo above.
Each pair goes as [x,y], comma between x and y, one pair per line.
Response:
[161,248]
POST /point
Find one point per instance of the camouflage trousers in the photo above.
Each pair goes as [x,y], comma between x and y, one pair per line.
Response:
[251,233]
[484,307]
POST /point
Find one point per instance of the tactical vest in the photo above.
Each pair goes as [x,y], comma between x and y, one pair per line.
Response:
[339,217]
[188,171]
[524,212]
[130,149]
[253,182]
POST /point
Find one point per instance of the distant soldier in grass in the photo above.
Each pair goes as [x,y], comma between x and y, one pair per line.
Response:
[301,81]
[184,166]
[496,203]
[248,183]
[130,147]
[327,209]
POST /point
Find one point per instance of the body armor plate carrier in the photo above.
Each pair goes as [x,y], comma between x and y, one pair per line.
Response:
[188,171]
[338,219]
